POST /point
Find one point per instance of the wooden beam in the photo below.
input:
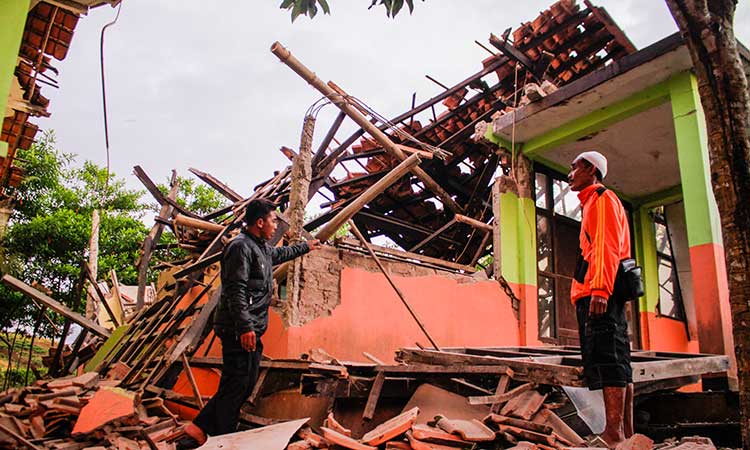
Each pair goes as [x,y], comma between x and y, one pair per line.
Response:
[157,194]
[198,265]
[433,235]
[374,396]
[500,398]
[517,55]
[149,243]
[215,183]
[342,103]
[191,378]
[55,306]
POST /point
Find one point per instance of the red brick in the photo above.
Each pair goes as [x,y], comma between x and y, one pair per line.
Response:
[392,428]
[344,441]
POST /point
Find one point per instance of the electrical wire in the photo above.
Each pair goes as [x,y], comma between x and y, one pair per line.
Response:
[104,90]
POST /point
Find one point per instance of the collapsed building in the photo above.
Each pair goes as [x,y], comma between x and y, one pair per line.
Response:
[469,191]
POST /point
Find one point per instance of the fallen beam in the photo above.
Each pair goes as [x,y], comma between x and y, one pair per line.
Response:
[54,305]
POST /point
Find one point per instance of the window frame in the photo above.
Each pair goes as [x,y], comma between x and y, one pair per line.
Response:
[677,297]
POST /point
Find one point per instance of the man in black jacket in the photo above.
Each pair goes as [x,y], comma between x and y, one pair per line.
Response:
[241,317]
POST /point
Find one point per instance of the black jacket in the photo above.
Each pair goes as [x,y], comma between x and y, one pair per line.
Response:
[247,283]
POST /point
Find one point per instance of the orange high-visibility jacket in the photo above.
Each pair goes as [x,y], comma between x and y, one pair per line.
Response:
[604,241]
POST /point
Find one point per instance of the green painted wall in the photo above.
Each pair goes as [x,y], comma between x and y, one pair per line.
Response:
[645,254]
[12,21]
[518,234]
[701,213]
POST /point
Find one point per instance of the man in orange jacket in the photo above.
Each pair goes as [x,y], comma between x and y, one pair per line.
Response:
[602,326]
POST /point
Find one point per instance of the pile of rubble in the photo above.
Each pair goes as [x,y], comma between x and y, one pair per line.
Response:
[430,400]
[83,412]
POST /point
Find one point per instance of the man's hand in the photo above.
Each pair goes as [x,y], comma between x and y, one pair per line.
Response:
[598,306]
[314,244]
[247,341]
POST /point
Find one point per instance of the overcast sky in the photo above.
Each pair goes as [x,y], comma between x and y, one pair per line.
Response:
[192,83]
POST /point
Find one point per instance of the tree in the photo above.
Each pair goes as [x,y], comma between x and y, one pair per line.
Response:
[310,7]
[48,234]
[707,27]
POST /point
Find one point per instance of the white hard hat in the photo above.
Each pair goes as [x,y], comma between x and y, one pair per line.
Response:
[596,159]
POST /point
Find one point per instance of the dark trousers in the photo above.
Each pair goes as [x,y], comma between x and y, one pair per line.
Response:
[605,345]
[239,372]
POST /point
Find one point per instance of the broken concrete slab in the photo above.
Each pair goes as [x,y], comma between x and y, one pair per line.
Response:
[392,428]
[272,437]
[107,405]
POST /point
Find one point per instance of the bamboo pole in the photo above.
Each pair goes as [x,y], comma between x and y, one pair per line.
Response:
[366,197]
[400,294]
[473,222]
[204,225]
[287,58]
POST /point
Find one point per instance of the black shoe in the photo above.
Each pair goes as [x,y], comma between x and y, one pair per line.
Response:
[186,443]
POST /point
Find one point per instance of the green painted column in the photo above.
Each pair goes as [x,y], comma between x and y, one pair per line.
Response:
[12,21]
[710,287]
[701,213]
[518,235]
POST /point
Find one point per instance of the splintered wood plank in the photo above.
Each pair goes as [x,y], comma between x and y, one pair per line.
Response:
[372,399]
[502,387]
[500,398]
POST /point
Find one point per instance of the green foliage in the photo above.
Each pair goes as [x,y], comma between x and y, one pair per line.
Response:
[48,235]
[310,7]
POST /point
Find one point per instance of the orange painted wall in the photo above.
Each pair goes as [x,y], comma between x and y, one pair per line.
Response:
[711,293]
[372,318]
[665,335]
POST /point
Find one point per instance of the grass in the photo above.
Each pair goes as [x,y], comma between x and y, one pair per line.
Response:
[17,375]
